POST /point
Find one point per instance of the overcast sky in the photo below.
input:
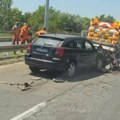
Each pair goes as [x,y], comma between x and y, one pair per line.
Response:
[85,8]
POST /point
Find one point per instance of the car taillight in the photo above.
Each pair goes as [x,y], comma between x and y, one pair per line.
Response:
[59,52]
[29,48]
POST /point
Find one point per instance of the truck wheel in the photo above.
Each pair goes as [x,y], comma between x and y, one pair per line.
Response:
[33,69]
[71,70]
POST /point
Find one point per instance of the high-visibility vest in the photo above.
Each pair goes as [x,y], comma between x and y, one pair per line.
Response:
[40,32]
[24,30]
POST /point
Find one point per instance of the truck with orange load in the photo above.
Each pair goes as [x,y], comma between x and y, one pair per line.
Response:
[105,33]
[106,37]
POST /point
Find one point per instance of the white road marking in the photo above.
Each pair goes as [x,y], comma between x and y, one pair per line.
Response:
[30,112]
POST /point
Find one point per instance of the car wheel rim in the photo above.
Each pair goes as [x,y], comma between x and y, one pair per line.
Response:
[99,64]
[71,70]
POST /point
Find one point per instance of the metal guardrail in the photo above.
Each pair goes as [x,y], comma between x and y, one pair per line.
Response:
[9,39]
[5,39]
[12,48]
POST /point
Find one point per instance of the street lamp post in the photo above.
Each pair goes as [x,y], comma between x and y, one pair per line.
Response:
[46,14]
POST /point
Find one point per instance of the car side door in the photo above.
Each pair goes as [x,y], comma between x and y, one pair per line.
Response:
[89,52]
[71,50]
[86,52]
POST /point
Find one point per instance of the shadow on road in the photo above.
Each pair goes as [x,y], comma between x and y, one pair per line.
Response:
[81,75]
[84,74]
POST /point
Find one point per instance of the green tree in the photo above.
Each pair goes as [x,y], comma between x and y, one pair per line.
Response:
[109,18]
[54,17]
[14,16]
[70,23]
[5,9]
[36,19]
[85,23]
[26,17]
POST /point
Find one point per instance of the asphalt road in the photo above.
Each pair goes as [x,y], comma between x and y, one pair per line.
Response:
[89,96]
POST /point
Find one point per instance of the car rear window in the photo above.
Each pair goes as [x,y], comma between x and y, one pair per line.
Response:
[48,42]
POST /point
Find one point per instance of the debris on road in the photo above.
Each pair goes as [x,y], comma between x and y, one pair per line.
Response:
[3,82]
[36,78]
[58,80]
[22,86]
[44,79]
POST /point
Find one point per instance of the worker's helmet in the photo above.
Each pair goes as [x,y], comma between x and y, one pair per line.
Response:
[16,23]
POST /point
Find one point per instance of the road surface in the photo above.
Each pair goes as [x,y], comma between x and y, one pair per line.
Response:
[89,96]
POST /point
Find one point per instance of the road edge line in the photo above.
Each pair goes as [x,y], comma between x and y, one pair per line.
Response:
[30,111]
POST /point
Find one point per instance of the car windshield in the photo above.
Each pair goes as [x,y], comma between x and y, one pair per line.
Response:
[48,42]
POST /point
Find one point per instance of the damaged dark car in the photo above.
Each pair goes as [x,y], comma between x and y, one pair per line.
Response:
[63,53]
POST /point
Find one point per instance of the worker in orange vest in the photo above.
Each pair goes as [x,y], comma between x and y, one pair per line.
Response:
[40,32]
[29,34]
[16,32]
[25,34]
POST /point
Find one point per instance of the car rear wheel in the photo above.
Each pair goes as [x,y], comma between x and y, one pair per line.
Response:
[33,69]
[71,70]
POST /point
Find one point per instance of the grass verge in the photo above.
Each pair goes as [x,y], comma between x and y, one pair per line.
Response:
[6,35]
[10,57]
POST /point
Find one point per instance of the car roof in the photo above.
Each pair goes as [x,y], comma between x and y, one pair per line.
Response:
[62,36]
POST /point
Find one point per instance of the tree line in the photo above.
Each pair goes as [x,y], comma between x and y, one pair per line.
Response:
[58,21]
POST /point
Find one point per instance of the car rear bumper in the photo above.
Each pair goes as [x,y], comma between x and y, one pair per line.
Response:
[45,64]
